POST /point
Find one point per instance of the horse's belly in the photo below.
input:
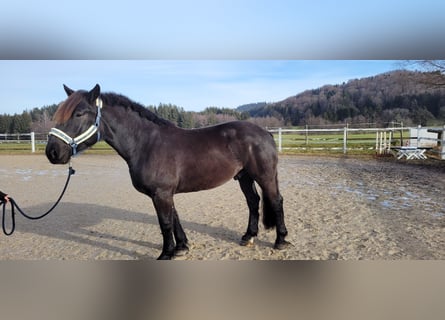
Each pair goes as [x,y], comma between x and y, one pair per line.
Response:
[198,177]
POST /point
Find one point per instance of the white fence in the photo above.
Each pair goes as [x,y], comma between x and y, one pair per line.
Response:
[436,138]
[344,139]
[425,138]
[339,139]
[24,139]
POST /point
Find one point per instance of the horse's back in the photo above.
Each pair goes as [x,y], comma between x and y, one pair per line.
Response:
[245,132]
[252,145]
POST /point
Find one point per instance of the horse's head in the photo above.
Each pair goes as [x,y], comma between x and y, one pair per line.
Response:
[77,125]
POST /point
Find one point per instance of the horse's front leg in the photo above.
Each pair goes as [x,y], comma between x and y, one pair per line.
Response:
[180,237]
[163,203]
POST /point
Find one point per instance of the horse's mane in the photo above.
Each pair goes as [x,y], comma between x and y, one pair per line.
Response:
[114,99]
[66,108]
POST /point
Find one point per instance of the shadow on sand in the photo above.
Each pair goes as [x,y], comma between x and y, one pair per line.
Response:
[74,222]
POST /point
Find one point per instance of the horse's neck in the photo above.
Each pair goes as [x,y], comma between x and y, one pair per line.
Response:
[125,132]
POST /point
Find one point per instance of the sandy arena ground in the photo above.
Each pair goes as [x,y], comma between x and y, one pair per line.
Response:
[335,208]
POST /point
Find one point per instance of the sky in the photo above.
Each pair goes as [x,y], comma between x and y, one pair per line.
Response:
[201,53]
[190,84]
[221,29]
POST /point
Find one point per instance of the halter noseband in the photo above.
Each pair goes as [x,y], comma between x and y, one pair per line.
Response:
[74,142]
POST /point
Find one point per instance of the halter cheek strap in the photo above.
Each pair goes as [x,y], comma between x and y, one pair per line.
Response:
[74,142]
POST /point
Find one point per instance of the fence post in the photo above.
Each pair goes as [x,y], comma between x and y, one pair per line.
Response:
[389,143]
[381,142]
[33,142]
[442,144]
[279,140]
[418,136]
[377,135]
[345,138]
[384,141]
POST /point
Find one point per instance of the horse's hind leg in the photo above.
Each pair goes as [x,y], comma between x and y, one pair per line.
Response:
[273,212]
[248,187]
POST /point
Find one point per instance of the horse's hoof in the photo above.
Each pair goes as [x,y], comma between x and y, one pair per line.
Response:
[180,252]
[165,257]
[282,245]
[247,243]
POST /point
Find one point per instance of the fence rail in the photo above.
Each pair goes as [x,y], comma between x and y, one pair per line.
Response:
[36,142]
[379,140]
[339,139]
[22,141]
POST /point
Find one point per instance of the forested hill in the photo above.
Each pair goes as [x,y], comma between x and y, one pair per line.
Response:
[400,96]
[251,106]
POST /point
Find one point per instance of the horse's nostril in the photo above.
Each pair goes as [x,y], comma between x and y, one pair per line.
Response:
[52,154]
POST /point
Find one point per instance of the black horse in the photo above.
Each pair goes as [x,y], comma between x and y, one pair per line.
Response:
[164,160]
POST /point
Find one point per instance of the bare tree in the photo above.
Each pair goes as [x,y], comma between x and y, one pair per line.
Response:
[267,122]
[434,71]
[43,124]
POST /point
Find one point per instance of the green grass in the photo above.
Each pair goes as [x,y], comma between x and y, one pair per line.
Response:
[357,142]
[19,148]
[25,148]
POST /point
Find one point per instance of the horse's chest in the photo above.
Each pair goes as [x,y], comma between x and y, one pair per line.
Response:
[148,181]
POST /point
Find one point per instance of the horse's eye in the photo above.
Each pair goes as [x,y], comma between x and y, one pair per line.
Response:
[79,114]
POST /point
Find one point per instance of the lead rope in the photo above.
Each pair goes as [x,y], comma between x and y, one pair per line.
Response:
[14,206]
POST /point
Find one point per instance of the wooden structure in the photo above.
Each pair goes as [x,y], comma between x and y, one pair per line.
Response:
[438,151]
[383,142]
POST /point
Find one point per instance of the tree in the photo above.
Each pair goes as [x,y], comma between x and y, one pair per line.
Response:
[20,123]
[5,123]
[42,122]
[434,71]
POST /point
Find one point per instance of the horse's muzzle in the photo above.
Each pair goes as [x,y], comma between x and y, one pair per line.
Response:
[56,152]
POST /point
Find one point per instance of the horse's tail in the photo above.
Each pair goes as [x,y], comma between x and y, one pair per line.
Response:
[269,215]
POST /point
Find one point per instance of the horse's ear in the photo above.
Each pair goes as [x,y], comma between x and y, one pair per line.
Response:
[94,93]
[68,90]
